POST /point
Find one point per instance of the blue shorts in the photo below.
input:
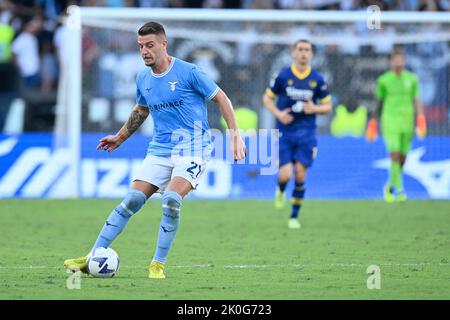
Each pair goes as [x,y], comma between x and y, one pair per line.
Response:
[296,148]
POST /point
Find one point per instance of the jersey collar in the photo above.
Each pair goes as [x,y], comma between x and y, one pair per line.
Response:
[300,75]
[159,75]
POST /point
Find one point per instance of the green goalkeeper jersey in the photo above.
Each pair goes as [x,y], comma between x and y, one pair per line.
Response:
[397,92]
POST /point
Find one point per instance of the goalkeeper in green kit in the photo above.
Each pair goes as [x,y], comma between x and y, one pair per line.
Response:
[397,92]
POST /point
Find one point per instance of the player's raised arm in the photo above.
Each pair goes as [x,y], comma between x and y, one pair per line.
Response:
[226,109]
[136,119]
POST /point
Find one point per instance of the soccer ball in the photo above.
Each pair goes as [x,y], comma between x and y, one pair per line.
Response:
[103,263]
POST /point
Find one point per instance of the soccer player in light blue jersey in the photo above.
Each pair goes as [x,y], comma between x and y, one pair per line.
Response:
[175,93]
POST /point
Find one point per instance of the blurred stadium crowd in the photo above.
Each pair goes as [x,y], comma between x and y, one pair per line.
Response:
[50,7]
[31,49]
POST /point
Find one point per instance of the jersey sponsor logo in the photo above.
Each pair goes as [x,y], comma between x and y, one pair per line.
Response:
[299,94]
[172,85]
[164,105]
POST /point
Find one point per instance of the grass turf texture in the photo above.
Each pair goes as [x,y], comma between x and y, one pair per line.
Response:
[233,250]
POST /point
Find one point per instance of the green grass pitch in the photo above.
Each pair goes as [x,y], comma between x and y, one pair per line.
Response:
[233,250]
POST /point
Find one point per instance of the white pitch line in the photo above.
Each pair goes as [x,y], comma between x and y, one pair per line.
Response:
[332,265]
[257,266]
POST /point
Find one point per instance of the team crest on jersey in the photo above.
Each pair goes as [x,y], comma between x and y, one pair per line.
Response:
[172,85]
[312,84]
[407,84]
[290,82]
[314,152]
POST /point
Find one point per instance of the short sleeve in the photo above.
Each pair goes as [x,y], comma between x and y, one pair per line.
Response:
[201,83]
[323,93]
[380,90]
[140,99]
[275,87]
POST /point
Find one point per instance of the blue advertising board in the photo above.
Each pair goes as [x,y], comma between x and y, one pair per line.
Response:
[345,168]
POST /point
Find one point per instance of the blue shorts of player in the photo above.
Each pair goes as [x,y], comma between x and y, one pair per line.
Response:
[297,146]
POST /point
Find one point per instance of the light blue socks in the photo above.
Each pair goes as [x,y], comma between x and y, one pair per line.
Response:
[171,203]
[119,217]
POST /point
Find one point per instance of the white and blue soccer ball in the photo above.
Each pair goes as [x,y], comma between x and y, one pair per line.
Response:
[103,263]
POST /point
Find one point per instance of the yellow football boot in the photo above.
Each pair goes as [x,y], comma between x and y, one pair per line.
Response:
[280,201]
[401,196]
[388,194]
[77,264]
[293,223]
[156,270]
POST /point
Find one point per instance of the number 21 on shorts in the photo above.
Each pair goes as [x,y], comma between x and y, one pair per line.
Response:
[193,168]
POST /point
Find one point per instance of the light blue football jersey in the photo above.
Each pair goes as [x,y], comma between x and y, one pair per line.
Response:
[177,102]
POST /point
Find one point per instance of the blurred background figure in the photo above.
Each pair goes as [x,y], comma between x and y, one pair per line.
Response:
[7,70]
[26,51]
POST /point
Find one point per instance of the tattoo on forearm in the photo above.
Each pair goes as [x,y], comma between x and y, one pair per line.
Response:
[133,123]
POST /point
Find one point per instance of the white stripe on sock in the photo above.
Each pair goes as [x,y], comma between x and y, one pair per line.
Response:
[126,209]
[170,207]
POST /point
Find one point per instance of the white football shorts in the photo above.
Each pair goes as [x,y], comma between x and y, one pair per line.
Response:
[160,170]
